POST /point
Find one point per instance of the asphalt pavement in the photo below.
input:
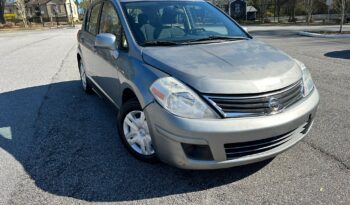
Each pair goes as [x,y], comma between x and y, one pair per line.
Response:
[61,146]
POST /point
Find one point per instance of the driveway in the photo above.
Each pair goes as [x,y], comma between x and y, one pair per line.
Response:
[60,146]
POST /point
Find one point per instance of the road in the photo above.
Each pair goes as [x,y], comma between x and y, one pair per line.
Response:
[60,146]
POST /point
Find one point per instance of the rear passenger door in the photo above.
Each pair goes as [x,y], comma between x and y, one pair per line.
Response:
[87,40]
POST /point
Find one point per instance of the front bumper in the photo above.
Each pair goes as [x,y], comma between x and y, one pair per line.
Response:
[169,132]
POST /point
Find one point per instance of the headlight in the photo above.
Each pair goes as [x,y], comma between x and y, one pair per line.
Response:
[308,84]
[180,100]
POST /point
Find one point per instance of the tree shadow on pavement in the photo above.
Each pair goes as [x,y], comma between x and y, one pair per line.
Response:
[345,54]
[72,149]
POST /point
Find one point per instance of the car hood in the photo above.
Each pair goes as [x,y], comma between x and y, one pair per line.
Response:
[235,67]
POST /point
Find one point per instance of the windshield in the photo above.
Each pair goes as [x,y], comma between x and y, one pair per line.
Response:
[175,22]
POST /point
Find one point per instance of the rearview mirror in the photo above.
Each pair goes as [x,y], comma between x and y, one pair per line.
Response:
[106,40]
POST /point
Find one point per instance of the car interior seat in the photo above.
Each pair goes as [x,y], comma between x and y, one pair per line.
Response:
[145,27]
[169,28]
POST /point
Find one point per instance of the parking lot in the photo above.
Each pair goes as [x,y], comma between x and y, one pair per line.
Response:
[60,146]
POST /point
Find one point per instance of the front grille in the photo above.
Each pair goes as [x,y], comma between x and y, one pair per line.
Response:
[241,149]
[257,104]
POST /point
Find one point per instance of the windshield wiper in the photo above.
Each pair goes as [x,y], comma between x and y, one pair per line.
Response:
[215,37]
[160,43]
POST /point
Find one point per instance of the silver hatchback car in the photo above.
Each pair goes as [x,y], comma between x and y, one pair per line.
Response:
[193,88]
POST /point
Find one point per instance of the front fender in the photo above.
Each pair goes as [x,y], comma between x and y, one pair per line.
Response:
[138,77]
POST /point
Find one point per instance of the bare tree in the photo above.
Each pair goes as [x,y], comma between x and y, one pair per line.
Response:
[291,7]
[2,11]
[85,4]
[21,9]
[262,6]
[309,8]
[340,5]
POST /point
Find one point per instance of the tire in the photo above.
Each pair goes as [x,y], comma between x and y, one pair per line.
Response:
[132,136]
[84,80]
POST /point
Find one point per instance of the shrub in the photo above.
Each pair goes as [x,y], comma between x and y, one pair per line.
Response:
[266,20]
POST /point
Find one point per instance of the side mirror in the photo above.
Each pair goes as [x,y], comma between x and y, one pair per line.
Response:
[106,40]
[245,29]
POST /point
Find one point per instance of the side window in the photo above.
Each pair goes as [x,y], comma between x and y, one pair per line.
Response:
[92,24]
[110,21]
[86,20]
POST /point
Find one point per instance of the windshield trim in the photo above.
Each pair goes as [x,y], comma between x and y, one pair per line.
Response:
[123,4]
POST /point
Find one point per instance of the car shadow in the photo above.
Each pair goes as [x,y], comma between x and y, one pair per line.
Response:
[345,54]
[69,146]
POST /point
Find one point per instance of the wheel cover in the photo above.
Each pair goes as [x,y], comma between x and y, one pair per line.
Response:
[83,76]
[136,133]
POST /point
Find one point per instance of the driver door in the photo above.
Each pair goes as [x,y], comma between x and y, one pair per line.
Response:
[106,71]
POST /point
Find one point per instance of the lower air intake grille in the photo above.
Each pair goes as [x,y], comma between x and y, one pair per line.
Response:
[241,149]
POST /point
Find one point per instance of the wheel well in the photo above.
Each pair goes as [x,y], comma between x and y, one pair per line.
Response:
[127,95]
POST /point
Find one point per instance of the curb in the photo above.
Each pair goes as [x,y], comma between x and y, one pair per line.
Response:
[317,35]
[24,29]
[37,29]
